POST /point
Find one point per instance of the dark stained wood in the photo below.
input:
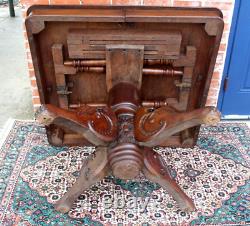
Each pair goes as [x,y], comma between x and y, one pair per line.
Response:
[92,44]
[97,125]
[94,169]
[156,171]
[124,79]
[55,135]
[153,126]
[124,64]
[57,53]
[99,66]
[61,20]
[124,98]
[100,11]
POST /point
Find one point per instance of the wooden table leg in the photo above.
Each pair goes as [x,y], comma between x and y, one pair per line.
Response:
[155,171]
[94,169]
[153,127]
[97,125]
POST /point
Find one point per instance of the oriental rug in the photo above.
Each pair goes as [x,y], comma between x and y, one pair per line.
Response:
[215,174]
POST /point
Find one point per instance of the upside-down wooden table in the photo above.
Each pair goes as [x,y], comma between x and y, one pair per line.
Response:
[124,79]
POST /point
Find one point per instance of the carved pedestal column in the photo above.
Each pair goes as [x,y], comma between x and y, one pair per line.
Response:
[125,157]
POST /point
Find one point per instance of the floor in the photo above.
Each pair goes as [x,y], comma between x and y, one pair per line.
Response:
[15,97]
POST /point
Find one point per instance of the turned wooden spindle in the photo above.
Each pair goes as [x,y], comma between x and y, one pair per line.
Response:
[95,63]
[125,157]
[90,69]
[168,71]
[99,66]
[85,63]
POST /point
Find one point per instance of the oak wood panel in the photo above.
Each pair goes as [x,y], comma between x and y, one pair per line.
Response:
[91,43]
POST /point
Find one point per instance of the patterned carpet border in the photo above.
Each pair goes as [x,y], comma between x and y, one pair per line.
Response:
[26,147]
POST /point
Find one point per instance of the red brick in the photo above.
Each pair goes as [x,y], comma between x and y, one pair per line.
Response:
[24,13]
[187,3]
[65,2]
[23,25]
[126,2]
[224,38]
[96,2]
[167,2]
[152,2]
[27,46]
[34,2]
[28,54]
[33,83]
[35,92]
[36,100]
[211,101]
[225,1]
[36,107]
[227,16]
[216,75]
[220,57]
[30,65]
[25,35]
[218,4]
[213,92]
[32,78]
[223,47]
[215,84]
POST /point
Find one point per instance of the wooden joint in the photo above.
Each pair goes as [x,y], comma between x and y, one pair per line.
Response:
[212,27]
[35,26]
[63,90]
[182,84]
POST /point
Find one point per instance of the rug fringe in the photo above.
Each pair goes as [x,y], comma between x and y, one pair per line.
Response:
[6,130]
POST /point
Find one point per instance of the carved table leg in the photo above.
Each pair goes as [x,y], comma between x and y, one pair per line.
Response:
[94,169]
[153,127]
[155,171]
[97,125]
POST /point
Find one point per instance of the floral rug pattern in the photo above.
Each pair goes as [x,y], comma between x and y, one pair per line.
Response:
[215,174]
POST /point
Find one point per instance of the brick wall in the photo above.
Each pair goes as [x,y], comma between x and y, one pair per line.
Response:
[225,5]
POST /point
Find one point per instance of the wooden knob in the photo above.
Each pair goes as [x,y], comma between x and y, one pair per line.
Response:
[213,117]
[44,116]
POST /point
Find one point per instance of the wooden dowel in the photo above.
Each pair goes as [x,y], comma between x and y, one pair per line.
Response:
[149,104]
[90,69]
[145,71]
[88,104]
[158,103]
[160,61]
[98,66]
[85,63]
[155,71]
[93,63]
[154,104]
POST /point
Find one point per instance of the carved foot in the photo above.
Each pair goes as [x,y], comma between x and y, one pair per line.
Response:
[94,169]
[152,127]
[155,170]
[97,125]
